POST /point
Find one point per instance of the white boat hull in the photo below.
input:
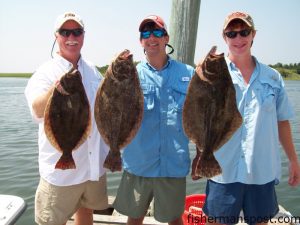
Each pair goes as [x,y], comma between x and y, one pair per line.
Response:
[11,208]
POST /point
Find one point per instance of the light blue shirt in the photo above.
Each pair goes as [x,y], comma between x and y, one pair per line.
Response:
[252,155]
[160,148]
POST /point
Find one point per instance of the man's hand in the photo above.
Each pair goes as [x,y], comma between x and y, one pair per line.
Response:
[294,174]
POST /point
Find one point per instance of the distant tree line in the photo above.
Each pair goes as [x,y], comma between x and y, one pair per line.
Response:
[286,66]
[288,70]
[102,69]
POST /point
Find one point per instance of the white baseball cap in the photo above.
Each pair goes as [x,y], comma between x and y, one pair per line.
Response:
[61,19]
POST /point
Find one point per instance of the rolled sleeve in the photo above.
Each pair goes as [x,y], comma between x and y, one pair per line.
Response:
[37,85]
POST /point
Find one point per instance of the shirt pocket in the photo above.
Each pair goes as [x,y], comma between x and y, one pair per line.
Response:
[179,94]
[269,89]
[268,99]
[149,96]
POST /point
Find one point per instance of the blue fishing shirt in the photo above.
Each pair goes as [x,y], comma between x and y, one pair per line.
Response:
[252,155]
[160,148]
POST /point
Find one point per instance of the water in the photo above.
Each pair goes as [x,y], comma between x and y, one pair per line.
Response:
[18,151]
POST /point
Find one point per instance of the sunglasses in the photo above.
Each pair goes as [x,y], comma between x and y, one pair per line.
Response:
[66,33]
[242,33]
[157,33]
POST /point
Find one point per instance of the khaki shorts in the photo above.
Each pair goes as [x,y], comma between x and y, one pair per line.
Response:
[56,204]
[135,194]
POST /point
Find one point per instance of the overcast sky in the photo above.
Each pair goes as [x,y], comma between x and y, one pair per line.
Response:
[26,28]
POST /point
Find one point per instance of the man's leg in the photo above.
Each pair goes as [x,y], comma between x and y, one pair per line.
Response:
[55,204]
[84,216]
[177,221]
[169,200]
[133,197]
[132,221]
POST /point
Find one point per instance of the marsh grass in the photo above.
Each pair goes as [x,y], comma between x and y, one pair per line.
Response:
[287,73]
[24,75]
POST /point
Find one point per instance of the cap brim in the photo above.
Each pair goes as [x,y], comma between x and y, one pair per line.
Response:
[237,18]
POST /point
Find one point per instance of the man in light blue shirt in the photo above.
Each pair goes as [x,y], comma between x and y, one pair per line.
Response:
[160,148]
[250,160]
[157,161]
[262,102]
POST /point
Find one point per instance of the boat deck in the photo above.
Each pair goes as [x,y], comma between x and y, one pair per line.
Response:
[116,220]
[110,217]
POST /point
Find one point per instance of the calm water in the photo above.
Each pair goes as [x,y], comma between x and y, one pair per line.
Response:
[18,151]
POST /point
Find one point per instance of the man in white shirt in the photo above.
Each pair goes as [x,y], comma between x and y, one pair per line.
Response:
[61,193]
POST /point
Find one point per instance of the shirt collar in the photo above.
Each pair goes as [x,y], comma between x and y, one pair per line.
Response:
[232,68]
[65,63]
[230,65]
[148,65]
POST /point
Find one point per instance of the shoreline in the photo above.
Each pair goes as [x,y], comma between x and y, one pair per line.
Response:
[28,75]
[16,75]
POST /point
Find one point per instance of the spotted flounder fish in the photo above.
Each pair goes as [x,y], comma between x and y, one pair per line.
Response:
[67,118]
[210,113]
[119,107]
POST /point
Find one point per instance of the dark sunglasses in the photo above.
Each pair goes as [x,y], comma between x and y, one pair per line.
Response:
[233,34]
[157,33]
[66,32]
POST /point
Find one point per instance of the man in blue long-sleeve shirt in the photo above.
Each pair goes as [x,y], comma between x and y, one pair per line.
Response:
[157,161]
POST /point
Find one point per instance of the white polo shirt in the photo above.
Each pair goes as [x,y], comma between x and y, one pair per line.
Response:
[89,157]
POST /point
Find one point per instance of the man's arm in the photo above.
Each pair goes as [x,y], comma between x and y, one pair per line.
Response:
[39,104]
[286,140]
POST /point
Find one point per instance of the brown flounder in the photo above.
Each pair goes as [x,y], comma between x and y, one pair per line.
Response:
[210,113]
[67,118]
[119,107]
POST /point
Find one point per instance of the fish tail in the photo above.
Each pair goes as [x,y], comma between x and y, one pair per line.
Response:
[209,166]
[195,165]
[113,161]
[65,162]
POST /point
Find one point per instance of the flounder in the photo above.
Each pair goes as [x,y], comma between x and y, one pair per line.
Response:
[119,107]
[210,113]
[67,117]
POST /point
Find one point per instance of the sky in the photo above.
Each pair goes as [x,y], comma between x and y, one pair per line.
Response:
[27,29]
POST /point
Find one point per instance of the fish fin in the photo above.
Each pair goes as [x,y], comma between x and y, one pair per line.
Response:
[65,162]
[209,166]
[47,125]
[211,52]
[234,126]
[113,161]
